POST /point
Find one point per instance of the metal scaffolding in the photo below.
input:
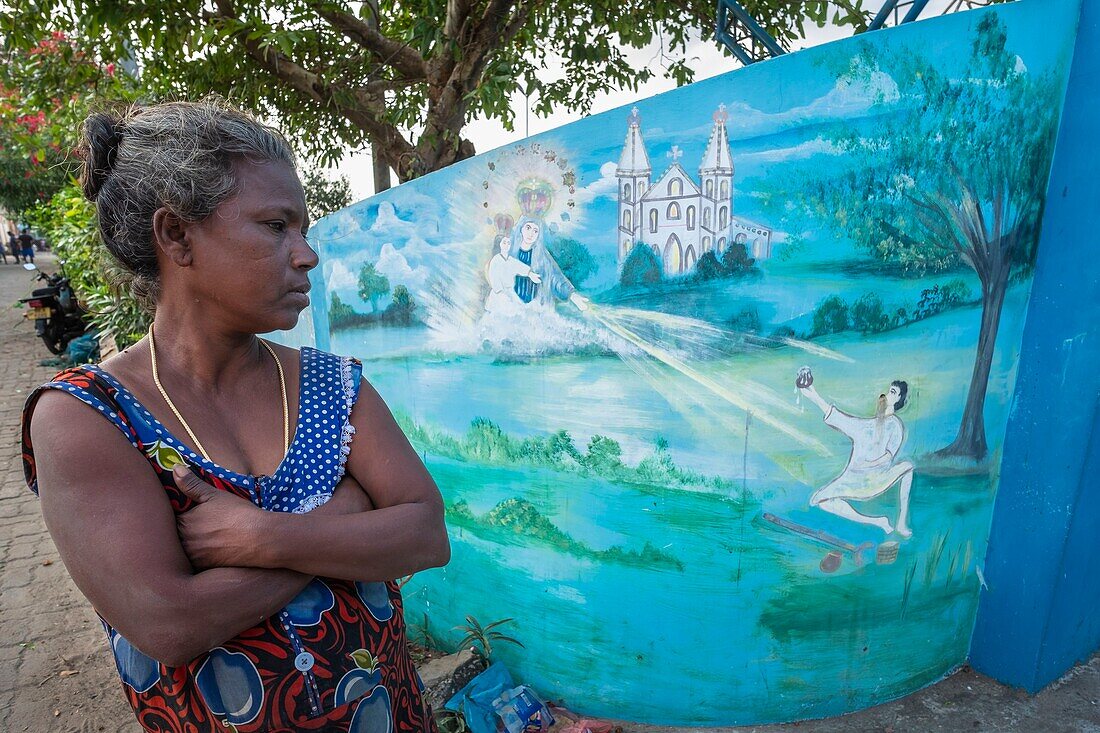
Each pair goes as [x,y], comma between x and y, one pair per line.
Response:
[743,36]
[749,42]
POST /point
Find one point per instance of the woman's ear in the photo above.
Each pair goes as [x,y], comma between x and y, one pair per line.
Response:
[170,235]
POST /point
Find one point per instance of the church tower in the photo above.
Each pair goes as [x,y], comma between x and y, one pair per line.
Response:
[634,174]
[716,179]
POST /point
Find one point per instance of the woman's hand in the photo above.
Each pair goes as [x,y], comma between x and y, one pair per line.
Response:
[221,529]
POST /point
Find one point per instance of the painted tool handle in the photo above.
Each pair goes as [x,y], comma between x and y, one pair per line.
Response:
[815,533]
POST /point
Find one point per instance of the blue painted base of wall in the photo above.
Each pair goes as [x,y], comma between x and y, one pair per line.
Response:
[1041,612]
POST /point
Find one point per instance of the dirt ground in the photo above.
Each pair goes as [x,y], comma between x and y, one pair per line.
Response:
[56,673]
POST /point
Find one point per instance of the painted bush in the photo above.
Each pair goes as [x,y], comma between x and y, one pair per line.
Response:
[715,386]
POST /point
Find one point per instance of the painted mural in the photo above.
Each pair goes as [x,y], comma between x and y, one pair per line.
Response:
[715,385]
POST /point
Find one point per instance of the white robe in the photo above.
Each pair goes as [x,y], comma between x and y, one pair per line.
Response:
[868,473]
[502,273]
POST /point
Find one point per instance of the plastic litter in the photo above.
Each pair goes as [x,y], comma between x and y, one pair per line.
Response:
[492,701]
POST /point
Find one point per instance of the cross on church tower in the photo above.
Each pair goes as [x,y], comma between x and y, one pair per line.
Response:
[720,114]
[675,153]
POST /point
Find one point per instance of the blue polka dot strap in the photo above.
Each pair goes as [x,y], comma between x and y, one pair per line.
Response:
[83,383]
[307,476]
[329,387]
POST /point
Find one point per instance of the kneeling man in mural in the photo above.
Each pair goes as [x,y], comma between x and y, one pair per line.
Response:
[872,466]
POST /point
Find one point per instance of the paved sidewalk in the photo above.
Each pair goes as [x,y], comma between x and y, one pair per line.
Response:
[57,675]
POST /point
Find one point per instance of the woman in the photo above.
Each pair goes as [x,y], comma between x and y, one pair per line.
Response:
[529,249]
[241,558]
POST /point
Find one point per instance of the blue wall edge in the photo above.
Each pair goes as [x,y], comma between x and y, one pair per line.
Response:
[1039,615]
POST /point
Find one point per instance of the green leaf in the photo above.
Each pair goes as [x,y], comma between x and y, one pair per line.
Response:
[363,659]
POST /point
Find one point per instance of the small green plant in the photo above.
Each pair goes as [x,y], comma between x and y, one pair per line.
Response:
[449,721]
[423,635]
[68,221]
[481,638]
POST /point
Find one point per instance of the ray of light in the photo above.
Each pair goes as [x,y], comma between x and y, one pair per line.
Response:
[742,397]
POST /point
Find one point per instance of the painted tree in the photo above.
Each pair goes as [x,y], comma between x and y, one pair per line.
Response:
[641,267]
[736,260]
[404,77]
[574,259]
[830,316]
[372,285]
[402,309]
[955,179]
[709,267]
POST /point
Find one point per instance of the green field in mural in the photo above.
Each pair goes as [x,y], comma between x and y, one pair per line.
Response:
[714,386]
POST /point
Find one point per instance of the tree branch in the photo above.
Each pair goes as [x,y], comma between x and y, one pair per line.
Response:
[400,56]
[455,24]
[364,114]
[971,216]
[927,213]
[453,81]
[705,20]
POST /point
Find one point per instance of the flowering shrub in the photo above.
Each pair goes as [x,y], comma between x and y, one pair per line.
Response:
[45,92]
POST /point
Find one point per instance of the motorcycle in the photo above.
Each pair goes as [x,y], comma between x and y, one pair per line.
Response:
[58,318]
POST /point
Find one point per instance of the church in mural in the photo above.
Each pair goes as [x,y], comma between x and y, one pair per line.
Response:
[676,216]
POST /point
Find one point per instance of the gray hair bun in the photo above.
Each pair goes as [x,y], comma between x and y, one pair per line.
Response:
[179,156]
[101,140]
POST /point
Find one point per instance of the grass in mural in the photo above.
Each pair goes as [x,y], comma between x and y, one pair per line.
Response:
[858,614]
[932,561]
[908,587]
[485,442]
[520,518]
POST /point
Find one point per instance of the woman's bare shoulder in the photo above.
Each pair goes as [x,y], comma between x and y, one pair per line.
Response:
[66,420]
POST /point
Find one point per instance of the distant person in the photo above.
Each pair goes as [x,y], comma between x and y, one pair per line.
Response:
[5,246]
[872,467]
[26,245]
[13,245]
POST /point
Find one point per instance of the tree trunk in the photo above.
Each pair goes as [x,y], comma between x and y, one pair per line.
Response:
[382,179]
[970,441]
[378,160]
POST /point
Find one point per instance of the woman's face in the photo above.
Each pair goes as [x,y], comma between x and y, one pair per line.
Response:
[250,257]
[530,233]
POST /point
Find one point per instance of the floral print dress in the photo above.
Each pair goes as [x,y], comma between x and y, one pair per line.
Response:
[336,657]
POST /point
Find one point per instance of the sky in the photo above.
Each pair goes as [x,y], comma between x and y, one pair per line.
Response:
[706,57]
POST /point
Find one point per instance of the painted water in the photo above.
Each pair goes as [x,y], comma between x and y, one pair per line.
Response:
[750,622]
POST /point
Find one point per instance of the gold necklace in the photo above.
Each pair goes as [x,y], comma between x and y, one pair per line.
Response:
[176,412]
